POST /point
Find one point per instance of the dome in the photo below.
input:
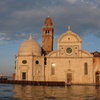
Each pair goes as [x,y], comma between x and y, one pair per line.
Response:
[30,47]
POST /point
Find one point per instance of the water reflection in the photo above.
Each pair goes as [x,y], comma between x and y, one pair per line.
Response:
[28,92]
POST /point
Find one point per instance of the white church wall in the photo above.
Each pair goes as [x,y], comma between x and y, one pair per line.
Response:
[22,67]
[62,66]
[38,68]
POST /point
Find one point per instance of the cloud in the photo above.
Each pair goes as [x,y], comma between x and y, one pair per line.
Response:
[22,17]
[4,38]
[72,1]
[97,33]
[2,34]
[90,43]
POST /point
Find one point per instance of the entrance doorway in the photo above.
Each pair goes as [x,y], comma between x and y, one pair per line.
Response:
[23,76]
[69,78]
[97,77]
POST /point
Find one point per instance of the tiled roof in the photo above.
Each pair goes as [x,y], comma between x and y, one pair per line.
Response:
[96,54]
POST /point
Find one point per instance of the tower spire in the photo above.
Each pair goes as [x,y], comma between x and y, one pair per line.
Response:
[48,21]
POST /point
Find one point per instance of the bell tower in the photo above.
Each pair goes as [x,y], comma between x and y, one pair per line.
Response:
[47,36]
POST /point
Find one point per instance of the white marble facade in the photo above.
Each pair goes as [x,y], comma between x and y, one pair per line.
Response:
[69,63]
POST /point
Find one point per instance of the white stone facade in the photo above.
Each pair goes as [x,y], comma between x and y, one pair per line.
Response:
[29,62]
[69,63]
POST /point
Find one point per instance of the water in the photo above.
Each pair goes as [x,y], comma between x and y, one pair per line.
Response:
[29,92]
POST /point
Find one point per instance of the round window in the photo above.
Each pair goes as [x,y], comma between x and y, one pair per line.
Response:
[37,62]
[69,50]
[24,61]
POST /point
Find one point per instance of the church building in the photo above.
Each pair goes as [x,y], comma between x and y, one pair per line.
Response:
[69,63]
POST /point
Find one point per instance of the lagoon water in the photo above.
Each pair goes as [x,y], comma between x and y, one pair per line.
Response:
[29,92]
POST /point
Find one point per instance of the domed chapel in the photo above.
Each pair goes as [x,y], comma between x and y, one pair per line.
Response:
[69,63]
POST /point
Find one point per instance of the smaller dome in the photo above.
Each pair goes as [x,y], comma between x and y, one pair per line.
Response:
[48,21]
[29,47]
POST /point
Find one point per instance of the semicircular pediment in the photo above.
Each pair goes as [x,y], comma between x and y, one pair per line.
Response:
[69,36]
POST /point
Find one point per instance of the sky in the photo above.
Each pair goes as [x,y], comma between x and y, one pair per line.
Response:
[19,18]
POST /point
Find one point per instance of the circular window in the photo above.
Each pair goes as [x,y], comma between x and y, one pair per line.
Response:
[24,61]
[37,62]
[69,50]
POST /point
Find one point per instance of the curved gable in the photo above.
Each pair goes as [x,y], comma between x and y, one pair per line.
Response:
[86,53]
[69,36]
[53,53]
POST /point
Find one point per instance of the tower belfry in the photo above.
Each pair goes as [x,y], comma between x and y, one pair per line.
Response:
[47,36]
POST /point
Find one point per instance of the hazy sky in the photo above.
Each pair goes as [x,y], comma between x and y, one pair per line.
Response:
[19,18]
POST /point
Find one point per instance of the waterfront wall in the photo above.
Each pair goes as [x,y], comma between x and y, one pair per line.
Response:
[39,83]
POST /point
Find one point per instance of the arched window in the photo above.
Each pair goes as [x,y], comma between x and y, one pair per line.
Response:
[85,68]
[97,78]
[52,71]
[47,32]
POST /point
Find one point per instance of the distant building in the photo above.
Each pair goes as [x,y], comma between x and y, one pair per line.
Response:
[69,63]
[96,67]
[0,76]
